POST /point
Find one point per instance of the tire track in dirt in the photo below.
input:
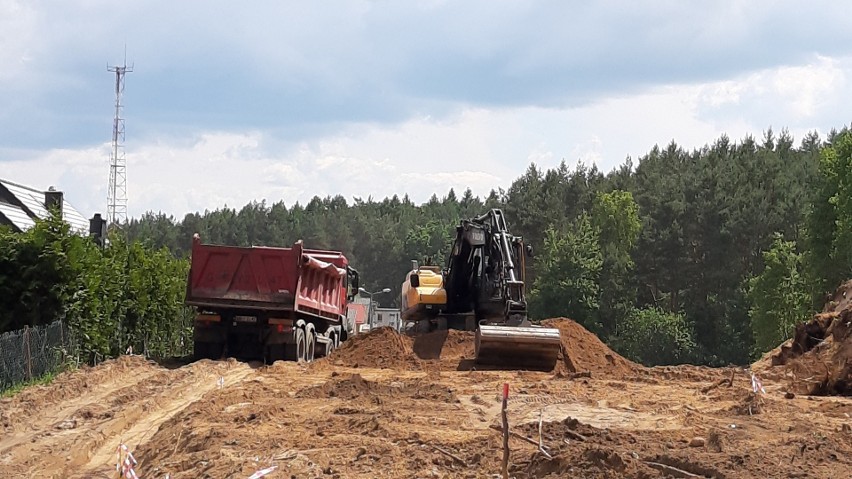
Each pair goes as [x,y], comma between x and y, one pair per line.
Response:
[138,426]
[77,437]
[47,419]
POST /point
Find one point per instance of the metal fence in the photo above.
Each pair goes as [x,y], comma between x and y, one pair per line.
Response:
[32,352]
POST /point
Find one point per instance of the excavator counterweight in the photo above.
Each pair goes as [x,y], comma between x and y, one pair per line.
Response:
[482,289]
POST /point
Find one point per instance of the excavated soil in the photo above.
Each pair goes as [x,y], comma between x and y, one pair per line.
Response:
[392,406]
[386,348]
[818,359]
[379,348]
[582,351]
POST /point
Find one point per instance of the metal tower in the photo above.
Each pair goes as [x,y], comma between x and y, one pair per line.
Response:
[117,193]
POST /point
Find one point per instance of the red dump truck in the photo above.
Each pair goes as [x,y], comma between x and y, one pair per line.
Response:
[268,303]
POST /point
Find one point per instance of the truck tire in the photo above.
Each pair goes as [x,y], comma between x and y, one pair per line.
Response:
[310,346]
[300,345]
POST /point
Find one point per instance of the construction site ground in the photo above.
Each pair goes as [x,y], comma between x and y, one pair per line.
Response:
[391,406]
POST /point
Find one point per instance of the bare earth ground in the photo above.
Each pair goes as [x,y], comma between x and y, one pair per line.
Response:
[397,415]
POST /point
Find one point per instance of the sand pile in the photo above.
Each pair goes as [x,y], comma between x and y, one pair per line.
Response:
[388,349]
[583,351]
[355,387]
[379,348]
[818,358]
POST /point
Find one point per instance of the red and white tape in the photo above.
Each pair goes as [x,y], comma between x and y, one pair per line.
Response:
[756,385]
[125,463]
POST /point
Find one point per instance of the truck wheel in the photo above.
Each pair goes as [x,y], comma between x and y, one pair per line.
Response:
[329,346]
[310,346]
[301,344]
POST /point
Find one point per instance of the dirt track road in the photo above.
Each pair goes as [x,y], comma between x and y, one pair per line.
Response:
[412,418]
[74,431]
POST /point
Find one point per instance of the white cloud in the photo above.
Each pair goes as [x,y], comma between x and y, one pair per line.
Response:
[18,38]
[793,91]
[480,148]
[221,168]
[807,87]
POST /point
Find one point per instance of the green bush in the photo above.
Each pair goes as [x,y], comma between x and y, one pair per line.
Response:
[126,295]
[779,296]
[654,337]
[568,280]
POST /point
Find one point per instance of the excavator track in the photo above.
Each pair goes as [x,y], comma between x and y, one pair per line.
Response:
[513,347]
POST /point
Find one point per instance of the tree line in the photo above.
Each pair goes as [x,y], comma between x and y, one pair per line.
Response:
[707,256]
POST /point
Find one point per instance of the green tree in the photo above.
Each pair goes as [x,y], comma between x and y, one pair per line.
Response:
[615,215]
[778,296]
[568,283]
[34,274]
[830,220]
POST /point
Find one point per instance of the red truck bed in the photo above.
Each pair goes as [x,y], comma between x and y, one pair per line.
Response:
[312,282]
[268,303]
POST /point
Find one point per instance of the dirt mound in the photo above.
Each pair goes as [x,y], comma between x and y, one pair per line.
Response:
[841,300]
[579,450]
[582,351]
[355,387]
[385,348]
[819,356]
[379,348]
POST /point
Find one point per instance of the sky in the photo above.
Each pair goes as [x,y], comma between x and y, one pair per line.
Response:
[231,102]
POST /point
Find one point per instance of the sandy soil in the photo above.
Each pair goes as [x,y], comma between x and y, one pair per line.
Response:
[389,406]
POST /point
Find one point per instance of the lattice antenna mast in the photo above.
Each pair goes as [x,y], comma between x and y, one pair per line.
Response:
[117,193]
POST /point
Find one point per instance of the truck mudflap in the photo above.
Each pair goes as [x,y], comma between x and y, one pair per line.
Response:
[531,347]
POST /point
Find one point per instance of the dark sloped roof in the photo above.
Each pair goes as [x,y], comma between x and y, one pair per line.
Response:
[34,208]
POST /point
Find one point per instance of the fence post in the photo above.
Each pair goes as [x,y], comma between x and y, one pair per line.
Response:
[28,357]
[505,417]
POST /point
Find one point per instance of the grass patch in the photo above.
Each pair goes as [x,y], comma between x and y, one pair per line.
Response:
[47,378]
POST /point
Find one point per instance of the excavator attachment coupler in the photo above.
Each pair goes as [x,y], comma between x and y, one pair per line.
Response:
[517,346]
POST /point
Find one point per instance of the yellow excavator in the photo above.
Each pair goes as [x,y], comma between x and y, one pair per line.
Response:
[482,289]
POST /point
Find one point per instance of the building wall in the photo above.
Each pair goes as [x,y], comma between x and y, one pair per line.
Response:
[386,317]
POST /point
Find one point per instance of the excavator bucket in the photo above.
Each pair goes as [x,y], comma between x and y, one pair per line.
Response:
[517,346]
